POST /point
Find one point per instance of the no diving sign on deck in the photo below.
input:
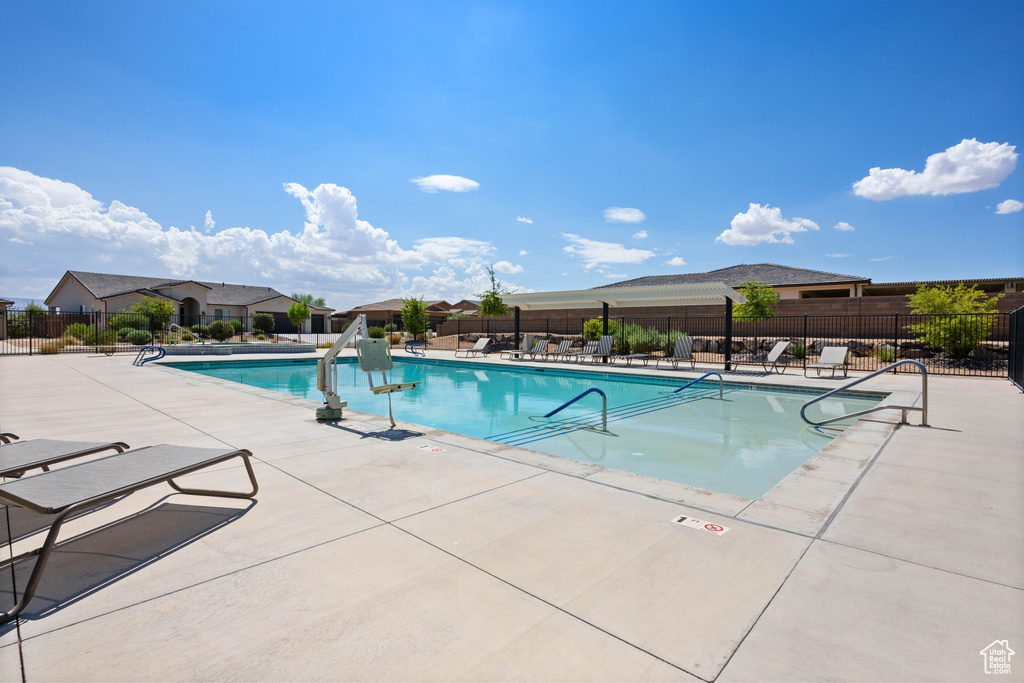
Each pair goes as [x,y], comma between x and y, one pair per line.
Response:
[706,527]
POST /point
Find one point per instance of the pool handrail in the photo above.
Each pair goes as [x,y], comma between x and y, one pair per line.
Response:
[591,390]
[139,360]
[903,420]
[705,375]
[186,331]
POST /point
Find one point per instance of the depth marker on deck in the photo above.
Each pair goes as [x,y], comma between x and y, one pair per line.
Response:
[707,527]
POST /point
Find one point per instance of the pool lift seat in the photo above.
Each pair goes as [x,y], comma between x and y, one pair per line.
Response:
[375,356]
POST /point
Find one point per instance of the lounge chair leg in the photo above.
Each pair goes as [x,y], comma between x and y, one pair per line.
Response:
[43,553]
[244,454]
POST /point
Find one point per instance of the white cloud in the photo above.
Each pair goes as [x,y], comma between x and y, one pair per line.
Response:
[1010,206]
[524,219]
[613,276]
[837,255]
[763,224]
[507,268]
[593,253]
[209,223]
[967,167]
[615,214]
[843,227]
[448,183]
[675,262]
[882,258]
[523,252]
[640,235]
[333,252]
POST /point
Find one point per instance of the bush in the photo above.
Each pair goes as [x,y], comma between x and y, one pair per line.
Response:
[80,331]
[125,331]
[391,327]
[636,339]
[376,332]
[140,337]
[236,325]
[261,337]
[886,355]
[798,350]
[201,330]
[263,323]
[185,336]
[592,328]
[128,321]
[51,346]
[959,322]
[324,345]
[221,330]
[21,324]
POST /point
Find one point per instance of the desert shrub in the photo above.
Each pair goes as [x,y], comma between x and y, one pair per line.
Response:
[669,345]
[140,337]
[324,345]
[128,321]
[201,330]
[236,325]
[70,341]
[592,328]
[261,337]
[376,332]
[125,331]
[51,346]
[80,331]
[391,327]
[185,336]
[221,330]
[263,323]
[886,355]
[798,350]
[961,317]
[636,339]
[155,310]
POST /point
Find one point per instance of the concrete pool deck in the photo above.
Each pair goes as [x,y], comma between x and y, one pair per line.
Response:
[366,556]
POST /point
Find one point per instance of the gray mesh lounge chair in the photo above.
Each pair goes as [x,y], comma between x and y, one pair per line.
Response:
[84,485]
[604,348]
[773,361]
[560,350]
[526,348]
[588,348]
[832,357]
[481,346]
[681,353]
[539,346]
[17,458]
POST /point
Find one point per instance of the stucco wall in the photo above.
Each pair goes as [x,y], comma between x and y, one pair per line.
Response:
[72,297]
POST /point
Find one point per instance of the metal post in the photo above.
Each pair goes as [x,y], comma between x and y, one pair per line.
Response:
[805,342]
[515,326]
[895,339]
[728,332]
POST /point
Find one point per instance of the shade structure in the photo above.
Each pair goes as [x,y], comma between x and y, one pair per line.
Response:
[693,294]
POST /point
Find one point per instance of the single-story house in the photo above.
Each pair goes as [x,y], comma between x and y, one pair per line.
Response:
[383,312]
[4,305]
[195,301]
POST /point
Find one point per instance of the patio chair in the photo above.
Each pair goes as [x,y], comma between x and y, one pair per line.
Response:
[17,458]
[604,348]
[482,346]
[588,348]
[527,346]
[773,361]
[65,491]
[539,346]
[560,350]
[682,352]
[831,358]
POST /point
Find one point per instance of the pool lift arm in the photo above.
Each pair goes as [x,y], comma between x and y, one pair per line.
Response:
[327,371]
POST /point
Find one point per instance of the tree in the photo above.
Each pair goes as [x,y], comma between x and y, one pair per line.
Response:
[308,299]
[298,313]
[961,317]
[490,301]
[20,324]
[157,311]
[761,300]
[414,316]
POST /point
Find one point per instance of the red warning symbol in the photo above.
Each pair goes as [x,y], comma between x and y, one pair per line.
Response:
[714,527]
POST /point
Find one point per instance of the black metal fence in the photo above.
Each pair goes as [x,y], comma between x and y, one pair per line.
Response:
[1015,363]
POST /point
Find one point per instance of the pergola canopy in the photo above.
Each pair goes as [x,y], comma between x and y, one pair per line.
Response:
[694,294]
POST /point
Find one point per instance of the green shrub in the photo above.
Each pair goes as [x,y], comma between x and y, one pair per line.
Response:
[221,330]
[886,355]
[131,321]
[391,327]
[236,325]
[80,331]
[261,337]
[140,337]
[21,324]
[636,339]
[125,331]
[185,336]
[798,350]
[592,328]
[669,346]
[51,346]
[201,330]
[959,321]
[376,332]
[263,323]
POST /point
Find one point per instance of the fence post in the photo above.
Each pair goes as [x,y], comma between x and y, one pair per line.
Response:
[805,343]
[895,339]
[728,332]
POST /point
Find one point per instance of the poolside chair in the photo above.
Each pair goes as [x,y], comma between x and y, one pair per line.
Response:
[588,348]
[773,361]
[630,357]
[832,357]
[682,352]
[482,346]
[65,491]
[17,458]
[526,347]
[539,346]
[604,348]
[560,350]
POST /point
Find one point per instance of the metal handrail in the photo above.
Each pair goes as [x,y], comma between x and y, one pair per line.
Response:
[705,375]
[591,390]
[139,360]
[903,420]
[188,332]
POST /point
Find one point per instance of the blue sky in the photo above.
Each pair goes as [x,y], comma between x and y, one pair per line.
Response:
[362,151]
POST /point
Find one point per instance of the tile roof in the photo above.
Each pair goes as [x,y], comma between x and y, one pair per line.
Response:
[106,285]
[393,305]
[768,273]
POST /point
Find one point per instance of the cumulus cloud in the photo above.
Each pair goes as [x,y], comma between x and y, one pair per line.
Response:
[507,268]
[593,253]
[333,251]
[209,223]
[763,224]
[837,255]
[967,167]
[448,183]
[1010,206]
[523,252]
[524,219]
[616,214]
[640,235]
[843,227]
[675,262]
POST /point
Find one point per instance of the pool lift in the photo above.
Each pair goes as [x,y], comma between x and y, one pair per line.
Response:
[374,356]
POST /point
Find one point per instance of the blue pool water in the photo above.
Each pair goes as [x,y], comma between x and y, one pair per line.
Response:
[743,444]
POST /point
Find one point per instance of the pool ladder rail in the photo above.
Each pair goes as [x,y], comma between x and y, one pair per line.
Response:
[704,376]
[188,332]
[140,359]
[591,390]
[903,420]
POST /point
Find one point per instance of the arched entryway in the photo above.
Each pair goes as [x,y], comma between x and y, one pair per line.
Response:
[189,312]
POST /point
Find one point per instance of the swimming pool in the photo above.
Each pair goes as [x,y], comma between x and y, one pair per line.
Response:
[742,444]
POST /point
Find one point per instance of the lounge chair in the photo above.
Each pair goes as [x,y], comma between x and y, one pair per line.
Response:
[560,350]
[588,348]
[604,348]
[832,357]
[681,353]
[630,357]
[538,347]
[527,346]
[17,458]
[773,361]
[482,346]
[65,491]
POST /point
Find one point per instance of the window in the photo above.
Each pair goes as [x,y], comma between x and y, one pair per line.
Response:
[220,313]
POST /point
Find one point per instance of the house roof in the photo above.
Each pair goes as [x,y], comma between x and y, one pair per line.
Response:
[397,305]
[770,274]
[106,285]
